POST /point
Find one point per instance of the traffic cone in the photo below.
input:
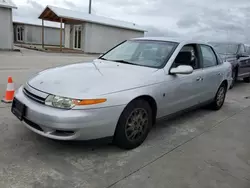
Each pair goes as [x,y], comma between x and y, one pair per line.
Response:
[10,91]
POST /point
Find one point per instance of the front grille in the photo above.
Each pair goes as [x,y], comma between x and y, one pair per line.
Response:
[54,132]
[63,133]
[34,97]
[32,124]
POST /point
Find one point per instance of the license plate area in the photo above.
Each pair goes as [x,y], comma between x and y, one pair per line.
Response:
[18,109]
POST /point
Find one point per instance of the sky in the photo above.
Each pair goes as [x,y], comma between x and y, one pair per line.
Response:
[212,20]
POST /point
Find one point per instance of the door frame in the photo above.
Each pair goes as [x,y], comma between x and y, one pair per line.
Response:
[74,33]
[21,31]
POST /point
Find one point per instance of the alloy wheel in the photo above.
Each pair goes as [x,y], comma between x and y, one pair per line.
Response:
[220,96]
[136,124]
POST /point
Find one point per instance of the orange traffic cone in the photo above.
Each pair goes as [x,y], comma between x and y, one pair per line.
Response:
[10,91]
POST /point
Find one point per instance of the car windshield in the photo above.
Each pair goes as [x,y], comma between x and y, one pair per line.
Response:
[225,48]
[141,52]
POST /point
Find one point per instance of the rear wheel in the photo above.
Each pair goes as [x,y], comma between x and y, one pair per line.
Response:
[134,125]
[219,97]
[246,79]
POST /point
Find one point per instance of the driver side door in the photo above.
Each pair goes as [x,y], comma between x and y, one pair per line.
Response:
[184,90]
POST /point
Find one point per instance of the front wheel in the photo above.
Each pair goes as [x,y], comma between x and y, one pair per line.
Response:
[134,125]
[219,98]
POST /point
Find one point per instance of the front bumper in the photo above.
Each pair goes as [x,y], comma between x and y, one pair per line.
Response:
[69,124]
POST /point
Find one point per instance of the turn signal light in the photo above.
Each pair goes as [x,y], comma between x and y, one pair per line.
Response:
[89,101]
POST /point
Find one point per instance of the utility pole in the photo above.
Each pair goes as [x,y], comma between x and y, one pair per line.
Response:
[90,2]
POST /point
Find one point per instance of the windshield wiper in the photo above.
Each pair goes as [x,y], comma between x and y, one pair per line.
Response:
[118,61]
[102,58]
[123,61]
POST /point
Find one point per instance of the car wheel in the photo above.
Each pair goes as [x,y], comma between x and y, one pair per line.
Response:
[246,79]
[234,78]
[134,125]
[219,98]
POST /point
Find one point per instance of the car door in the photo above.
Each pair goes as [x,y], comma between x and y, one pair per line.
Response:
[244,62]
[183,90]
[212,69]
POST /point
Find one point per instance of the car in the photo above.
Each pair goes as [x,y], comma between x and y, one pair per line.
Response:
[122,94]
[236,54]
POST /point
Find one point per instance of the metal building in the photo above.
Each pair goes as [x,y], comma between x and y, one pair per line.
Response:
[6,28]
[90,33]
[30,32]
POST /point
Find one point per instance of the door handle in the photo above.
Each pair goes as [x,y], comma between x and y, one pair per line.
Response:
[219,73]
[199,79]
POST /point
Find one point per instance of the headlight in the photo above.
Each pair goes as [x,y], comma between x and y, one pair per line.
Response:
[67,103]
[59,102]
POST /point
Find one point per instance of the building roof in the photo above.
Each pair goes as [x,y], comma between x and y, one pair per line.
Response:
[7,4]
[36,22]
[70,15]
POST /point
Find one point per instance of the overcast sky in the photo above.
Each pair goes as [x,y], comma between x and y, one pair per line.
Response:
[208,19]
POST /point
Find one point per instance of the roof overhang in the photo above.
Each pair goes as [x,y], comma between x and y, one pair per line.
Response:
[5,4]
[56,14]
[49,15]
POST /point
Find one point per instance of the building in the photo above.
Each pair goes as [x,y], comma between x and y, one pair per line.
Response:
[6,28]
[90,33]
[30,32]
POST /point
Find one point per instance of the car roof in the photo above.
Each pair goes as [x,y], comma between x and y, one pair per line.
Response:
[224,42]
[177,40]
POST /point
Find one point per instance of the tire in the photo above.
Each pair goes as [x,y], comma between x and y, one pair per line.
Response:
[247,80]
[234,75]
[133,125]
[219,98]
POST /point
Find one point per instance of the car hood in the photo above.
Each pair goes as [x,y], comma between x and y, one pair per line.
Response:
[92,79]
[228,57]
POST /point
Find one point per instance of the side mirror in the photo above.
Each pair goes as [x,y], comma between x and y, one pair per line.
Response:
[182,69]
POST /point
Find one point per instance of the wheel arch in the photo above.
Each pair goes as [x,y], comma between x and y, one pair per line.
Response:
[225,82]
[236,68]
[151,101]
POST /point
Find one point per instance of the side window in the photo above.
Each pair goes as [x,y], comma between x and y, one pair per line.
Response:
[208,56]
[242,49]
[248,50]
[187,56]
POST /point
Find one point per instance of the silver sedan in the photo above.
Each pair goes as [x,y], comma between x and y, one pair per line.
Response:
[123,92]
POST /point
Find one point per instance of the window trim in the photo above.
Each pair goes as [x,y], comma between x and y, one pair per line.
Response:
[202,59]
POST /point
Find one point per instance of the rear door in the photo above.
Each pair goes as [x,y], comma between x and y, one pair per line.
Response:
[212,68]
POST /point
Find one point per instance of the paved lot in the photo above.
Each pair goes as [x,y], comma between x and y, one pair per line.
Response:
[199,149]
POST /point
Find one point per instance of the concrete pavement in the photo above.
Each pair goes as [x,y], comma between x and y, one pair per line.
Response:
[202,148]
[217,158]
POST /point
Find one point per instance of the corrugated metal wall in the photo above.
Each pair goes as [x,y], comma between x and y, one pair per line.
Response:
[100,38]
[33,35]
